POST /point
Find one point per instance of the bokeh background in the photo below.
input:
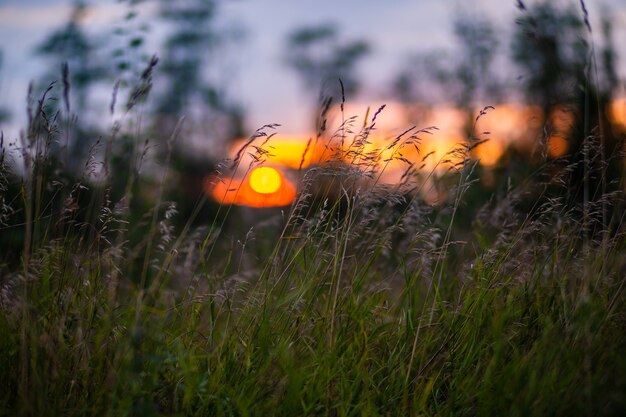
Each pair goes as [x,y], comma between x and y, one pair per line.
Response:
[527,80]
[251,62]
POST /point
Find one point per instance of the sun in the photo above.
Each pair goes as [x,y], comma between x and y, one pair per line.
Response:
[265,180]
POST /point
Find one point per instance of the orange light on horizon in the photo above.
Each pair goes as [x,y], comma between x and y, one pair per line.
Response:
[506,124]
[557,146]
[390,156]
[389,162]
[293,151]
[488,153]
[376,150]
[562,120]
[263,187]
[617,112]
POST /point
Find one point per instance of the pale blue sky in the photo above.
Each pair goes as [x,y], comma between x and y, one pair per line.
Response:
[257,76]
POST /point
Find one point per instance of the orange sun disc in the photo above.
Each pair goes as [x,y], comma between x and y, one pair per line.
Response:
[265,180]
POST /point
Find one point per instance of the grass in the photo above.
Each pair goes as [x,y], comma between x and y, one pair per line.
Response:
[362,305]
[360,299]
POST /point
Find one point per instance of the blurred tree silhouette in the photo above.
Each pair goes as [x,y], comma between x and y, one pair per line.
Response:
[466,78]
[185,54]
[129,47]
[74,68]
[71,45]
[562,72]
[424,79]
[4,114]
[188,50]
[189,60]
[318,56]
[552,46]
[475,71]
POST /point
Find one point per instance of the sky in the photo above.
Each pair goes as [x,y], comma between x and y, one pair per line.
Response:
[255,70]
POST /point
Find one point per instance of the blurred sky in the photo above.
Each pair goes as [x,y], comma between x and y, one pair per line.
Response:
[254,68]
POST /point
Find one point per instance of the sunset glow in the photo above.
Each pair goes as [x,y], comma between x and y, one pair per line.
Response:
[293,151]
[265,180]
[504,125]
[557,146]
[488,153]
[387,159]
[268,188]
[617,112]
[390,156]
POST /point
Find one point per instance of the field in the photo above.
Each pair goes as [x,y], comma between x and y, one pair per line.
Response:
[123,294]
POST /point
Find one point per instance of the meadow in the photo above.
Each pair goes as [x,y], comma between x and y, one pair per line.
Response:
[359,298]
